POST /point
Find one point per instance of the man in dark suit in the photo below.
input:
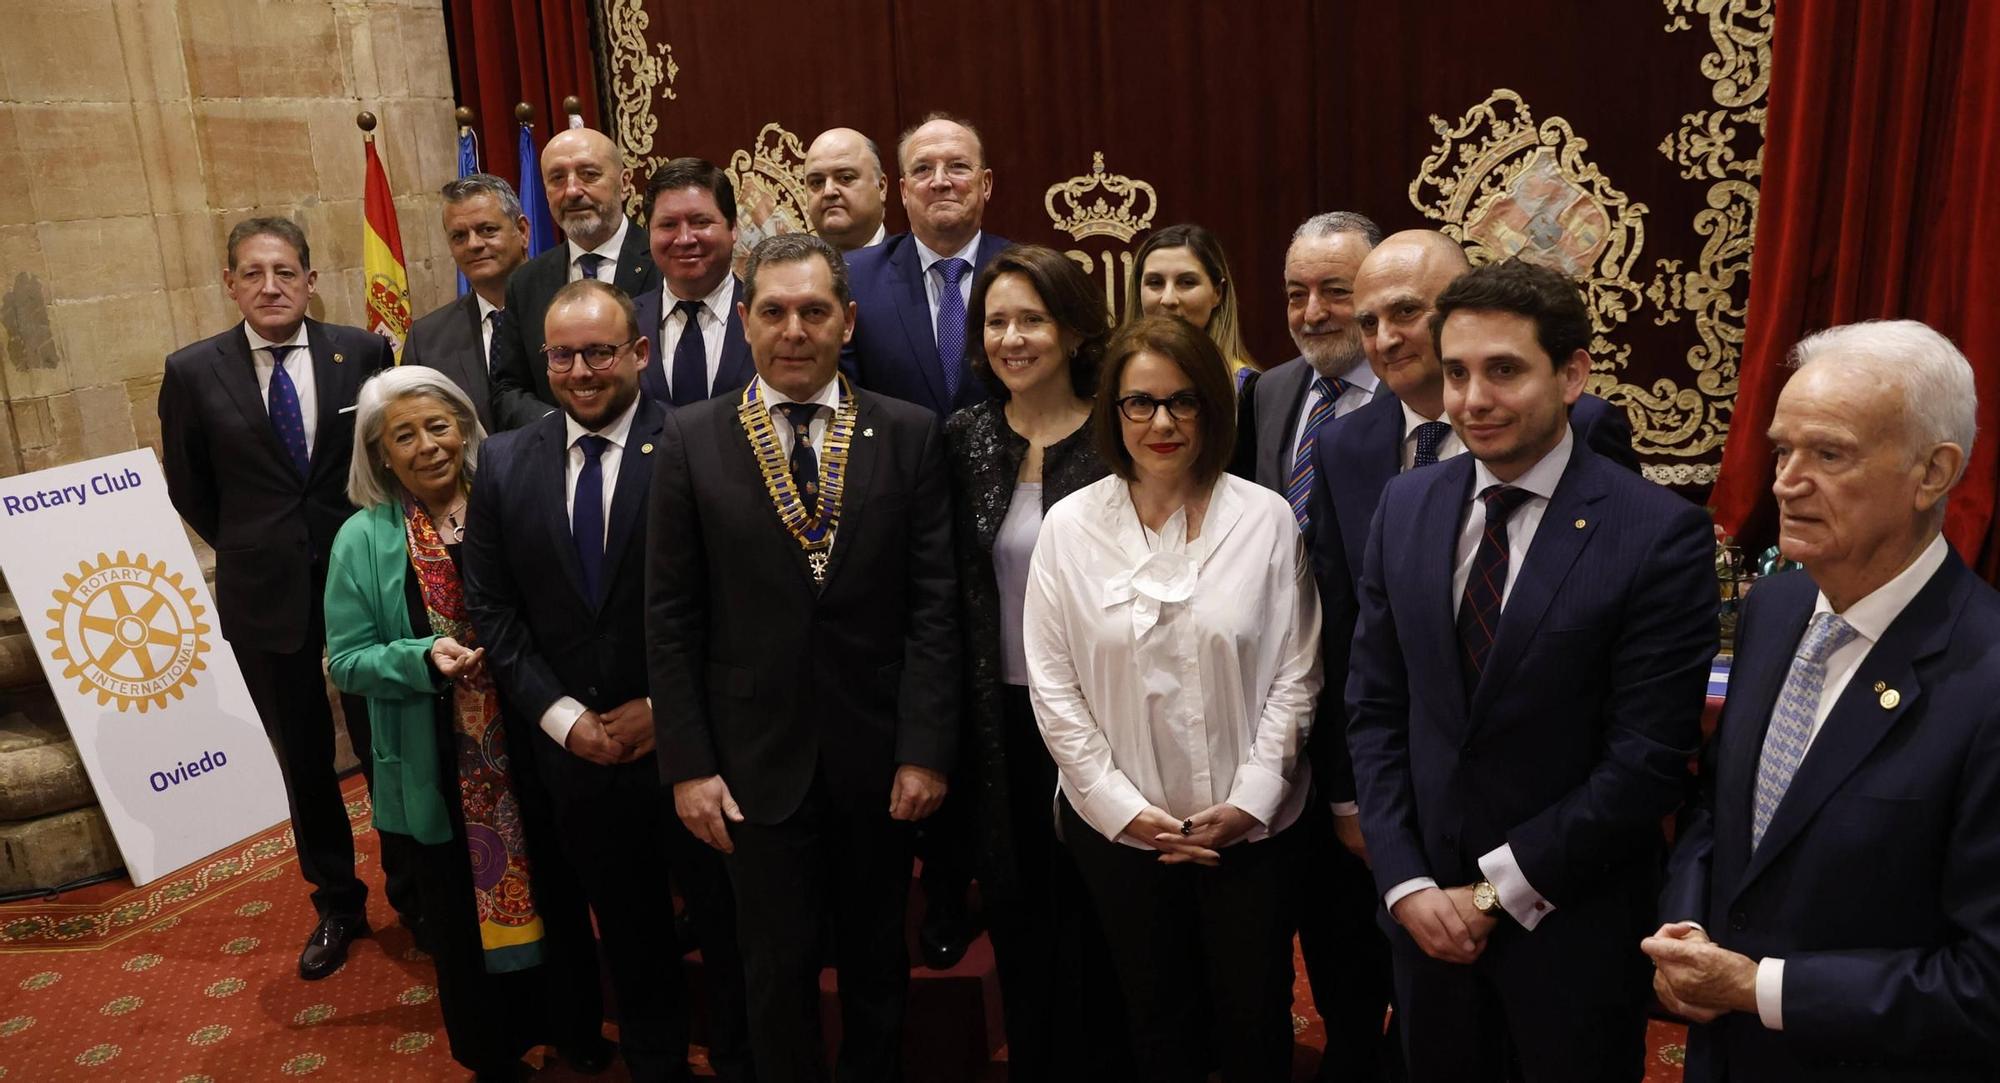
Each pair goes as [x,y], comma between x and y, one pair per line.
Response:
[488,235]
[911,291]
[691,221]
[555,572]
[1525,692]
[585,177]
[1836,891]
[803,641]
[256,431]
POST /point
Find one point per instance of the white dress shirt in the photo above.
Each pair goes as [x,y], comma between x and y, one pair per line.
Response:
[298,365]
[1870,617]
[827,398]
[1174,673]
[486,311]
[1521,901]
[1451,445]
[1361,381]
[934,281]
[611,250]
[563,713]
[882,234]
[714,319]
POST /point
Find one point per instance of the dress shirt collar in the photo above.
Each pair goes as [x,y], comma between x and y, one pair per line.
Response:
[1361,375]
[717,302]
[486,308]
[1871,616]
[616,432]
[1117,519]
[610,250]
[259,342]
[881,234]
[1540,479]
[827,396]
[970,253]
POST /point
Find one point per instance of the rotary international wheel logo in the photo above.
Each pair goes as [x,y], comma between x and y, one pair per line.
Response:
[127,629]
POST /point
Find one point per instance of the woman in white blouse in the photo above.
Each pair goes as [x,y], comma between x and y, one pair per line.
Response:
[1172,643]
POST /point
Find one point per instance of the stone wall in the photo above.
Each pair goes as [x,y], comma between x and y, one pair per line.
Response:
[133,133]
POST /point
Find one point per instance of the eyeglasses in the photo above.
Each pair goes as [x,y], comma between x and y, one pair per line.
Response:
[596,357]
[1140,408]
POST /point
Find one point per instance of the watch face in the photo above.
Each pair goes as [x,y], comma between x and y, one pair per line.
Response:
[1485,899]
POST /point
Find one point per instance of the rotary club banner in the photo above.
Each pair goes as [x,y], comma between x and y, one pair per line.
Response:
[384,275]
[114,602]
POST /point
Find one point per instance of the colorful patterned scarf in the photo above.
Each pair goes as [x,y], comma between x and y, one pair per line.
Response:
[509,929]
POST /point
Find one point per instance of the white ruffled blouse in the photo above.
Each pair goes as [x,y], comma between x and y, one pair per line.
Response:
[1174,673]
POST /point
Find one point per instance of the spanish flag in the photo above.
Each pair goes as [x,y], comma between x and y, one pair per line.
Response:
[385,275]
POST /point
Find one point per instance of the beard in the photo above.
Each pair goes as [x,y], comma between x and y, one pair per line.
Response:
[586,222]
[1331,357]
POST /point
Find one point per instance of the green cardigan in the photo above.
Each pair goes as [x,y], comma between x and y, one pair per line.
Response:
[371,652]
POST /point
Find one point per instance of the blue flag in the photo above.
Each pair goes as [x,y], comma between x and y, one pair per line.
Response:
[534,201]
[468,164]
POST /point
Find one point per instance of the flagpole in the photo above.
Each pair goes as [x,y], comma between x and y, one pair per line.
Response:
[468,164]
[385,279]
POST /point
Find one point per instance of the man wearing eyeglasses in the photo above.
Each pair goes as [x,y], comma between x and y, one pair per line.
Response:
[555,576]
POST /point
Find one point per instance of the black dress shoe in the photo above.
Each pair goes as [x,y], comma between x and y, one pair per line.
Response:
[944,939]
[326,948]
[588,1058]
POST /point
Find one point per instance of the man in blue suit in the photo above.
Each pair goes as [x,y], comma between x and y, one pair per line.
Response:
[1836,892]
[555,569]
[691,224]
[911,291]
[1525,692]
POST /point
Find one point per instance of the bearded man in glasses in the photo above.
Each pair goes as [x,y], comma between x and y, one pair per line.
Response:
[554,569]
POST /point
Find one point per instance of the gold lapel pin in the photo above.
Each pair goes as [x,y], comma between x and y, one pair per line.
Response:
[645,449]
[1881,686]
[339,357]
[1580,524]
[1890,699]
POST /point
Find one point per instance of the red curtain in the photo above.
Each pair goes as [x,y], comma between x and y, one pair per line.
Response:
[505,52]
[1880,198]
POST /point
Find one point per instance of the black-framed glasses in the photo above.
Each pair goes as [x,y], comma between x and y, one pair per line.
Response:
[1139,407]
[596,357]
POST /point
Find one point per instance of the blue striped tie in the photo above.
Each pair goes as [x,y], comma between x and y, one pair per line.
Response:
[1792,719]
[1298,489]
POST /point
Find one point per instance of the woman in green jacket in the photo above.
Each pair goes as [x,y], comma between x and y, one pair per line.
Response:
[397,633]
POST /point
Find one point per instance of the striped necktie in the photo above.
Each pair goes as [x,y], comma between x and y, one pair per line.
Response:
[1298,488]
[1791,722]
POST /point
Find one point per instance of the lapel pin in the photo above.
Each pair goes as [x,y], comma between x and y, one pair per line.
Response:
[1881,686]
[868,432]
[339,357]
[645,449]
[1580,524]
[1890,699]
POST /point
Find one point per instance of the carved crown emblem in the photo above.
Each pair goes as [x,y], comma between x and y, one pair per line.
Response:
[1087,208]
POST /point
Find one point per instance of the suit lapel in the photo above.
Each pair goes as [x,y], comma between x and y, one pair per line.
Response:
[635,258]
[733,450]
[550,476]
[473,352]
[635,476]
[1290,391]
[1567,526]
[737,367]
[653,378]
[1437,529]
[907,269]
[862,454]
[330,389]
[238,375]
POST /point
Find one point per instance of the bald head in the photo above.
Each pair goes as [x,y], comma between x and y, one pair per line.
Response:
[945,181]
[585,178]
[1394,292]
[845,188]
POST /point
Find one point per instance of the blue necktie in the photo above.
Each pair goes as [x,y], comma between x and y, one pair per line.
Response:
[1791,722]
[690,358]
[587,513]
[1430,436]
[805,461]
[1298,489]
[951,324]
[589,262]
[286,418]
[1479,608]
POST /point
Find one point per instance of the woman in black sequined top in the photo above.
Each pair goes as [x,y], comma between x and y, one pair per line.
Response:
[1037,328]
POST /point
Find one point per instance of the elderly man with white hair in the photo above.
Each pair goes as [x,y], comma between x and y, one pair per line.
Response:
[1834,903]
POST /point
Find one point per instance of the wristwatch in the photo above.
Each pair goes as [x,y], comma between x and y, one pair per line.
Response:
[1486,898]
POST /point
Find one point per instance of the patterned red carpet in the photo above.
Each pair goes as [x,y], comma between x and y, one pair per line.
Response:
[190,979]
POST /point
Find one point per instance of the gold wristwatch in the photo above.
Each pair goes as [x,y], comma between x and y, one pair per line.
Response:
[1486,899]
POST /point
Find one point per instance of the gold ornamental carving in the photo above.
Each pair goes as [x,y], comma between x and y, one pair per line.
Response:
[1107,205]
[638,76]
[770,182]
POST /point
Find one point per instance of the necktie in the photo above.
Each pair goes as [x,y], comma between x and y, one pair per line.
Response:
[493,318]
[805,462]
[1479,609]
[286,418]
[587,513]
[1791,721]
[1298,490]
[951,324]
[589,262]
[690,358]
[1430,436]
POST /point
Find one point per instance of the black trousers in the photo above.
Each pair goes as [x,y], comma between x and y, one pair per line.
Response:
[1178,930]
[1346,955]
[853,864]
[289,691]
[1057,984]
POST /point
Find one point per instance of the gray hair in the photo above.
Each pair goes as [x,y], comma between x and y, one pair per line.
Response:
[1329,223]
[1940,399]
[369,480]
[483,184]
[795,248]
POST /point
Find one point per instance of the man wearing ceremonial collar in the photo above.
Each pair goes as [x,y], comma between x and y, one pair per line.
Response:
[807,723]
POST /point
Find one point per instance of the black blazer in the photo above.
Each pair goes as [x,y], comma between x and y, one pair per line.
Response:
[234,484]
[759,677]
[449,340]
[894,348]
[733,374]
[520,378]
[524,587]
